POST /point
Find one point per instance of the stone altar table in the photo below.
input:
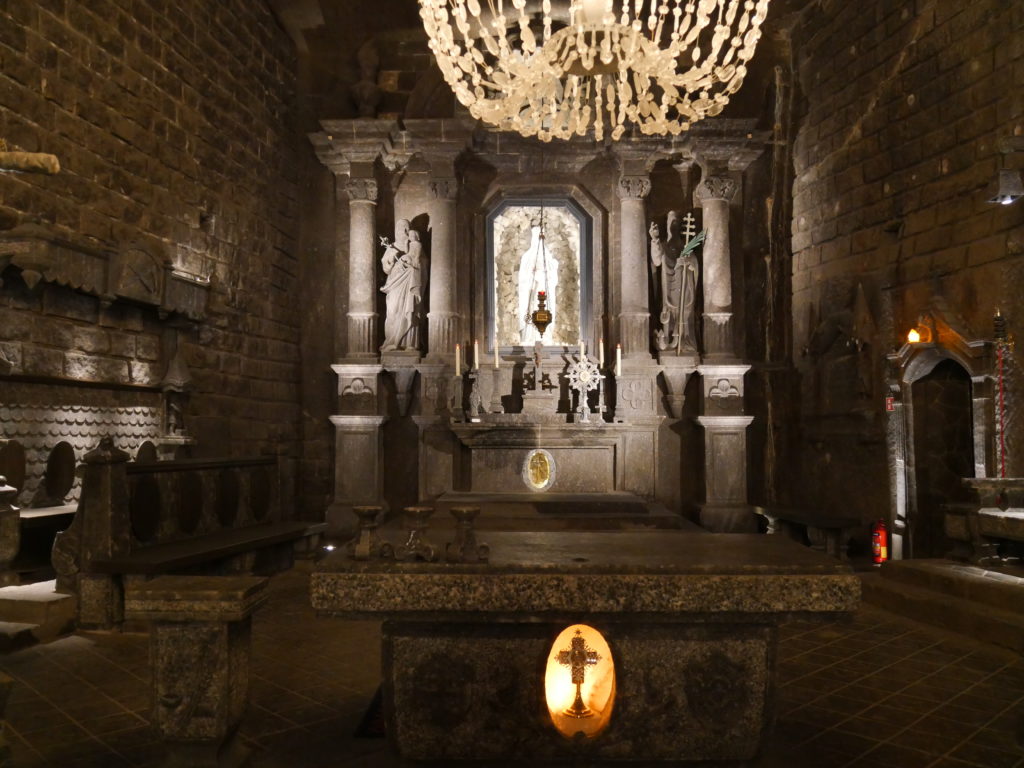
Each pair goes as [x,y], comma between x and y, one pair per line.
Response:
[690,622]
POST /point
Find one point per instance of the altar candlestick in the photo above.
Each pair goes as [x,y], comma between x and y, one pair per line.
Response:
[458,359]
[618,359]
[600,353]
[476,354]
[583,350]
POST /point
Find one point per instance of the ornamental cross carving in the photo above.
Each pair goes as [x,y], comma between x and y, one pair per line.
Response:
[636,394]
[578,657]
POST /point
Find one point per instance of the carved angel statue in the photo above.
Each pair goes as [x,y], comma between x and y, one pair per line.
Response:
[676,273]
[403,288]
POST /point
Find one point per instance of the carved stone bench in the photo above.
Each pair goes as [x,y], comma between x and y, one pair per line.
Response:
[823,532]
[195,516]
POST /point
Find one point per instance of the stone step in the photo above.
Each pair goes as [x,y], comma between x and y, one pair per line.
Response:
[37,603]
[1001,588]
[15,635]
[558,512]
[979,621]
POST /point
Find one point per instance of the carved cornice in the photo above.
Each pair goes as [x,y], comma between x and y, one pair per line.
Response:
[633,187]
[362,189]
[138,272]
[716,188]
[344,143]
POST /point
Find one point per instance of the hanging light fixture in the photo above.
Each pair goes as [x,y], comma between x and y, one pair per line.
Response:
[541,317]
[660,65]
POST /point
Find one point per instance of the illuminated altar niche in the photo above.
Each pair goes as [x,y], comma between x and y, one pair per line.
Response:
[597,689]
[512,238]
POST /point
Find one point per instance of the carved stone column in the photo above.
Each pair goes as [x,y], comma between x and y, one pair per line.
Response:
[634,315]
[714,194]
[362,265]
[442,319]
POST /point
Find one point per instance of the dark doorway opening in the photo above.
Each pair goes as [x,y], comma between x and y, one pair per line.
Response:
[943,454]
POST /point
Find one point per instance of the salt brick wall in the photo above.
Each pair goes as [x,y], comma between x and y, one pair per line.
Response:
[894,157]
[161,112]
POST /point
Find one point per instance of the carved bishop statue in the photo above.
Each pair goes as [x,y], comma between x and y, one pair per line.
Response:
[676,273]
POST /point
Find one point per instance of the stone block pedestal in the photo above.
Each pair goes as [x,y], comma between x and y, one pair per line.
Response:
[725,475]
[199,662]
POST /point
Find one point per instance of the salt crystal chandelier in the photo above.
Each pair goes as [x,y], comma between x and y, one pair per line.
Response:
[555,69]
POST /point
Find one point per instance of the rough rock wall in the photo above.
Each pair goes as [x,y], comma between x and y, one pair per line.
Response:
[894,159]
[171,122]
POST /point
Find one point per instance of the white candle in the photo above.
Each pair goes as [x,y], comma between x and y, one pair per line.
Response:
[476,354]
[618,359]
[496,366]
[583,350]
[600,352]
[458,359]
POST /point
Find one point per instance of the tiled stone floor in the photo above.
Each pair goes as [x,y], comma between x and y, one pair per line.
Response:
[880,691]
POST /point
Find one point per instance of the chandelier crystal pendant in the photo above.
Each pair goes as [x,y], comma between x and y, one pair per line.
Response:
[555,69]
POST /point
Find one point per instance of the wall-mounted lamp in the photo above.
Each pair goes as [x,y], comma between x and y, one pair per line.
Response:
[1010,186]
[913,337]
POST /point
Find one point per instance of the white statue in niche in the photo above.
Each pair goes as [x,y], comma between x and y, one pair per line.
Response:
[538,271]
[403,288]
[515,243]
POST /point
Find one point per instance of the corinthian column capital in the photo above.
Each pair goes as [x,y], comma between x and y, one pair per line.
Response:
[444,189]
[362,189]
[633,187]
[716,188]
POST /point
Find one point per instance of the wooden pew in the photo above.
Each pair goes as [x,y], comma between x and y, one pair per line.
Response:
[136,521]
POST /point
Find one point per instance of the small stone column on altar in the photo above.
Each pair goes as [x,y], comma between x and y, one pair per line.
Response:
[635,315]
[362,267]
[442,319]
[714,194]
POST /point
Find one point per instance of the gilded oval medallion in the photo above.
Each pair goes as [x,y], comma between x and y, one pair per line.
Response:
[539,470]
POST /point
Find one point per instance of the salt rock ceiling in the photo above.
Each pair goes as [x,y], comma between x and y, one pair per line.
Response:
[329,33]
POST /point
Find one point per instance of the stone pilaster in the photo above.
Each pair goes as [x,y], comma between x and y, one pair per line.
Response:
[362,266]
[358,444]
[725,508]
[714,194]
[442,319]
[634,315]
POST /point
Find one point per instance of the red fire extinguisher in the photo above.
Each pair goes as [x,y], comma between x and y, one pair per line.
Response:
[879,542]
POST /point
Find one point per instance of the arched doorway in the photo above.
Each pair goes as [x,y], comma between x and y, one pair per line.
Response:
[943,441]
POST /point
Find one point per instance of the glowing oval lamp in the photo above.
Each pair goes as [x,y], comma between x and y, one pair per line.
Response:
[579,682]
[913,336]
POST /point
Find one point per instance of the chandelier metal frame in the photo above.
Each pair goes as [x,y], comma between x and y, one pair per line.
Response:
[598,65]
